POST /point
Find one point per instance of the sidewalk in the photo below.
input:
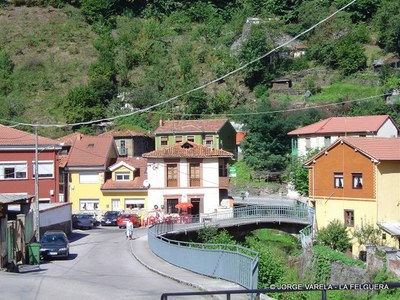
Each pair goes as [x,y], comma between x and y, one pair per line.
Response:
[141,251]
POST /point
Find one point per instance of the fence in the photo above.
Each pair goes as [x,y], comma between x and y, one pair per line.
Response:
[230,262]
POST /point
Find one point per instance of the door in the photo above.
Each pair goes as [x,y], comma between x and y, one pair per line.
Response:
[195,210]
[116,205]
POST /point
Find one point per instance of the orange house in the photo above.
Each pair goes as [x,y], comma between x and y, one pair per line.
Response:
[357,181]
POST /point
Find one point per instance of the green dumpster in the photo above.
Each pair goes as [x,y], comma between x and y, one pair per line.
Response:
[34,253]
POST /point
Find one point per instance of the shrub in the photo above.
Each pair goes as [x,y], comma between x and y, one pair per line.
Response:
[335,236]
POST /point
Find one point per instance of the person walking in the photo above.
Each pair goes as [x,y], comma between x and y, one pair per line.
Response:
[129,230]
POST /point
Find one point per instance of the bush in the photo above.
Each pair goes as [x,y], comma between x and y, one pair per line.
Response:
[335,236]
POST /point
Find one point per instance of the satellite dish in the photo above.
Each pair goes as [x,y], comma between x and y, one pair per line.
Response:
[146,183]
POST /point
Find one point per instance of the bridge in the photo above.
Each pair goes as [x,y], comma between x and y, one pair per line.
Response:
[230,262]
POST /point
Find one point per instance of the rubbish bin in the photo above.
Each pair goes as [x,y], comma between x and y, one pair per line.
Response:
[34,253]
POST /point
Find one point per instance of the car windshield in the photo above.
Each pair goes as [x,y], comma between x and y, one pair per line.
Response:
[49,238]
[82,216]
[126,216]
[111,214]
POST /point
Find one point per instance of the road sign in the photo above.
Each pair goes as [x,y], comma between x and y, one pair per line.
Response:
[232,171]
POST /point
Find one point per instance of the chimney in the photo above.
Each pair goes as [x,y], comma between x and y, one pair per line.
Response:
[161,122]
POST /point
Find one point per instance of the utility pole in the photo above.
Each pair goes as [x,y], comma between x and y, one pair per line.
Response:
[37,217]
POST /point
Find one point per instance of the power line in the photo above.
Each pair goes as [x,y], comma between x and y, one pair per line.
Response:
[192,90]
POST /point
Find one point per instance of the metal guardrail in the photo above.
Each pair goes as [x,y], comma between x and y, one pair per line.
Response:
[286,288]
[230,262]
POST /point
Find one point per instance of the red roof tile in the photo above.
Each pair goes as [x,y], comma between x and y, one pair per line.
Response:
[14,137]
[90,151]
[377,148]
[187,150]
[190,126]
[123,133]
[360,124]
[240,135]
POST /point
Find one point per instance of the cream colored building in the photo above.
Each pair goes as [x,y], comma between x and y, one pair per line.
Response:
[357,181]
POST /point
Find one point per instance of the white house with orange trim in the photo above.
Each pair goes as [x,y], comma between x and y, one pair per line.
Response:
[325,132]
[187,172]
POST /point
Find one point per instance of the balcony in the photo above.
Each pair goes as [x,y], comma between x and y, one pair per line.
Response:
[223,182]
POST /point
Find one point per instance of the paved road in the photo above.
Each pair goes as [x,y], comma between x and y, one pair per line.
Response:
[101,266]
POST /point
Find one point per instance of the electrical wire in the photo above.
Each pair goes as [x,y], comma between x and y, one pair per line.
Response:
[189,91]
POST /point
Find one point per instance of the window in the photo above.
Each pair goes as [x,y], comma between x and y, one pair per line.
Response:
[194,174]
[172,175]
[134,203]
[357,180]
[13,170]
[349,217]
[122,147]
[88,204]
[190,138]
[171,209]
[164,141]
[89,177]
[223,170]
[45,169]
[327,141]
[338,180]
[122,176]
[178,139]
[308,143]
[209,141]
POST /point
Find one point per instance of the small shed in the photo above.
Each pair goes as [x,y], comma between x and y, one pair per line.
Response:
[282,83]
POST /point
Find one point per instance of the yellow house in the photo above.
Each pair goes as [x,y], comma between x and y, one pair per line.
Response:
[127,187]
[87,169]
[357,181]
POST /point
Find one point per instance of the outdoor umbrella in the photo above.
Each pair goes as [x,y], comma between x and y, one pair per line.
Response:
[184,205]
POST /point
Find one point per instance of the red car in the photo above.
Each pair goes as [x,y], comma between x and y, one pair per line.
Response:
[123,219]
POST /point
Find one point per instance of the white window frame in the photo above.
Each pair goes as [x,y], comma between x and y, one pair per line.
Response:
[91,204]
[45,169]
[135,202]
[19,167]
[123,176]
[89,177]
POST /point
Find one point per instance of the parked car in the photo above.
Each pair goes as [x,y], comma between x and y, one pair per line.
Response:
[123,219]
[54,243]
[110,218]
[96,218]
[82,221]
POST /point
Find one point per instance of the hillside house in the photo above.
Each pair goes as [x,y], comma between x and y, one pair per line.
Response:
[323,133]
[87,168]
[357,181]
[17,164]
[131,143]
[215,133]
[187,172]
[281,83]
[126,189]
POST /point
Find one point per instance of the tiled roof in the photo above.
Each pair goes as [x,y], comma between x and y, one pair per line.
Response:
[240,135]
[90,151]
[377,148]
[71,138]
[136,162]
[187,150]
[14,137]
[62,160]
[123,133]
[364,124]
[190,126]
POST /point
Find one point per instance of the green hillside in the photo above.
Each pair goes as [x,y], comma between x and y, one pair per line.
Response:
[73,61]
